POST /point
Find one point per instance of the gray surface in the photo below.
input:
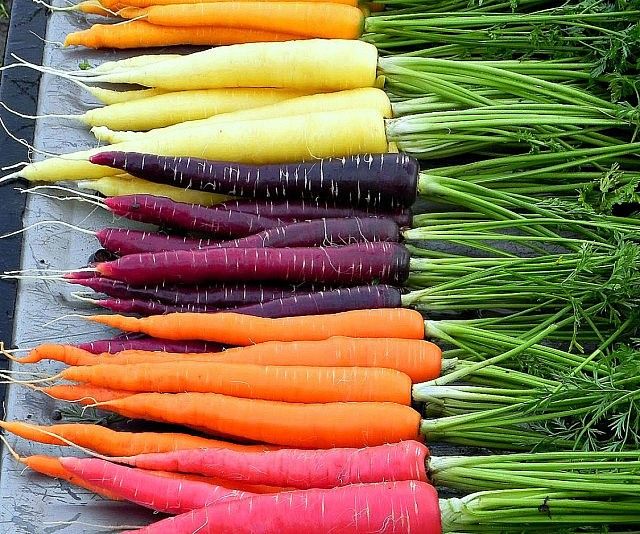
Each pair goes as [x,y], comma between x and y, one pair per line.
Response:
[30,503]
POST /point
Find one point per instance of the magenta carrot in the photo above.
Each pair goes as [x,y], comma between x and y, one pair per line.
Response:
[162,494]
[151,307]
[142,342]
[375,180]
[296,468]
[190,217]
[348,265]
[219,295]
[380,508]
[122,241]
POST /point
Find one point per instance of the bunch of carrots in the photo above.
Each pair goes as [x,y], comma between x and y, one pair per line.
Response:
[276,313]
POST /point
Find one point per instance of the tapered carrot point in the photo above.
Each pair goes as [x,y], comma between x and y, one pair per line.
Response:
[121,322]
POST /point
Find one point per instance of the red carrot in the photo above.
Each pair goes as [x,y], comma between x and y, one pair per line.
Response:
[122,241]
[162,494]
[381,508]
[297,468]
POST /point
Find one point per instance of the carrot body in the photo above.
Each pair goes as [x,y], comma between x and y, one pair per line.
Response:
[112,443]
[278,383]
[382,508]
[94,7]
[298,468]
[61,353]
[338,424]
[421,360]
[52,467]
[162,494]
[306,19]
[142,34]
[83,394]
[116,5]
[237,329]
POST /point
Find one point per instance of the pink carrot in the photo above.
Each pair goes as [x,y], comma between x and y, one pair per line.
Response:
[296,468]
[162,494]
[382,508]
[123,241]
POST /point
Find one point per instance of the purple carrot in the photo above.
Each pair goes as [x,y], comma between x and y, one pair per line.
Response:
[321,302]
[304,210]
[150,307]
[143,342]
[220,295]
[375,180]
[189,217]
[358,264]
[302,234]
[318,303]
[122,241]
[321,232]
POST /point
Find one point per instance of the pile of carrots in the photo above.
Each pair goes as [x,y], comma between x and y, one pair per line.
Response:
[285,312]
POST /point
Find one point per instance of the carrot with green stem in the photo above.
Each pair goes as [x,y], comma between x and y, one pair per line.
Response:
[401,507]
[420,360]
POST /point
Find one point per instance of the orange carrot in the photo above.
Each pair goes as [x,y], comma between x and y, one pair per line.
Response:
[116,5]
[278,383]
[308,19]
[242,330]
[112,443]
[421,360]
[83,394]
[94,7]
[141,34]
[51,466]
[338,424]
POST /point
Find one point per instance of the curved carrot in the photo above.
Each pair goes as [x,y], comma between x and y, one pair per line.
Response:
[241,330]
[338,424]
[307,19]
[278,383]
[61,353]
[113,443]
[141,34]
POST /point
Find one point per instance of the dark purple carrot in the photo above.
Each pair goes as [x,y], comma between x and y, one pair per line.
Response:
[305,210]
[122,241]
[149,307]
[317,303]
[190,217]
[349,265]
[321,232]
[375,180]
[142,342]
[219,295]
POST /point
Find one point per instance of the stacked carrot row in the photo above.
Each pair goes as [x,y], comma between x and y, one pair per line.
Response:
[278,315]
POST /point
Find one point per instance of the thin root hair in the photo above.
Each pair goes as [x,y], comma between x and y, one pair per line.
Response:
[41,223]
[35,117]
